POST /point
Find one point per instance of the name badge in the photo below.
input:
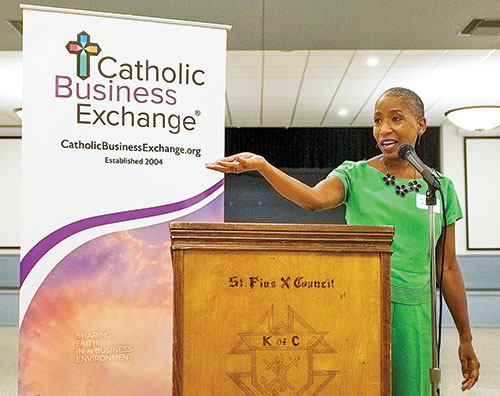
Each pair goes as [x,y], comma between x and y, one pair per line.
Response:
[422,205]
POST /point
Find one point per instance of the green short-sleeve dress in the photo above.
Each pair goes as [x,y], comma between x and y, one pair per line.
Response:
[369,201]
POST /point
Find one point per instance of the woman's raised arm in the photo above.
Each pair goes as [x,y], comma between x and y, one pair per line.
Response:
[326,194]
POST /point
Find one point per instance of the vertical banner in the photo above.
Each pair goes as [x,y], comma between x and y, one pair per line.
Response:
[120,115]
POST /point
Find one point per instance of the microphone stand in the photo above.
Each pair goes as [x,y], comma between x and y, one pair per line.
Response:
[407,152]
[435,371]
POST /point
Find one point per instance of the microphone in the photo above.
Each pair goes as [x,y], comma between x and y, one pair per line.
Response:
[407,152]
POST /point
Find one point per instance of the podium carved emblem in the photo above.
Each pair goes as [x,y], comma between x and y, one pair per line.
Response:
[282,357]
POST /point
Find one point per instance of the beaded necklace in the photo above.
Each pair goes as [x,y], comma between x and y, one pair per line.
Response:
[401,189]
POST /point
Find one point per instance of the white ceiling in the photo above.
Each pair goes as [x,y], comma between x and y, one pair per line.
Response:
[309,88]
[314,58]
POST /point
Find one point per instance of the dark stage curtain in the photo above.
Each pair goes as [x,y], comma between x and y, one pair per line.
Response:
[319,147]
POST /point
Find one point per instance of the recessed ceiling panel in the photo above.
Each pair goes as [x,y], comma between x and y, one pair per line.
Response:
[411,59]
[330,59]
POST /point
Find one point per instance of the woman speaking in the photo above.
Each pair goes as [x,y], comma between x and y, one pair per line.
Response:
[386,190]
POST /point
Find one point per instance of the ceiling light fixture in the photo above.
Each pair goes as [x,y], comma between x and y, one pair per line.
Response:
[372,61]
[19,113]
[342,112]
[475,118]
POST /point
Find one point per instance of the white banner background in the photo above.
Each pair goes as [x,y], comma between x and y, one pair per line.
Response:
[63,185]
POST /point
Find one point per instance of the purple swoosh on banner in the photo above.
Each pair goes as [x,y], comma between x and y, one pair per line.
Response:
[51,240]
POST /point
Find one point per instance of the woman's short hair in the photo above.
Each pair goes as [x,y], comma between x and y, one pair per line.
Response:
[413,99]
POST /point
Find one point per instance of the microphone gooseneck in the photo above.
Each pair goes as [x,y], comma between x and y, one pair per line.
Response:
[407,153]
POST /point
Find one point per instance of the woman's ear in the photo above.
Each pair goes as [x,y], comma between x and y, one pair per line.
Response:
[421,125]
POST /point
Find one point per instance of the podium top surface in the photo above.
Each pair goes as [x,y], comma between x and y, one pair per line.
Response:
[281,226]
[274,236]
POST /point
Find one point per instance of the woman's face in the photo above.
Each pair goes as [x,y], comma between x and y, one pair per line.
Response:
[395,123]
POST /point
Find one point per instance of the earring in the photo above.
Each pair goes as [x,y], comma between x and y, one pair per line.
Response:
[418,140]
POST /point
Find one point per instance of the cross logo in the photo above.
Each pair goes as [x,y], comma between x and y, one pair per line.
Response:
[83,49]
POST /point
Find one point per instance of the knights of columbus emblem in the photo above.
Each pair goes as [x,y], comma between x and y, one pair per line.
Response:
[282,358]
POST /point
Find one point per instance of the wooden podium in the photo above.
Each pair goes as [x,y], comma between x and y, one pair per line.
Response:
[281,309]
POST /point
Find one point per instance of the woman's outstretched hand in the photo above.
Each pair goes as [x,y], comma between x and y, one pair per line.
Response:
[238,163]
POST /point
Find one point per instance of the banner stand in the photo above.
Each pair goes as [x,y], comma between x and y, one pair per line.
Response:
[121,113]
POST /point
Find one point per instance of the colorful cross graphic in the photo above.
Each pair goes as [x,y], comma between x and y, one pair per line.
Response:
[83,49]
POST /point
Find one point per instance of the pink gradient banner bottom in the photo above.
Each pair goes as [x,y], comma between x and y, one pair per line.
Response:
[101,322]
